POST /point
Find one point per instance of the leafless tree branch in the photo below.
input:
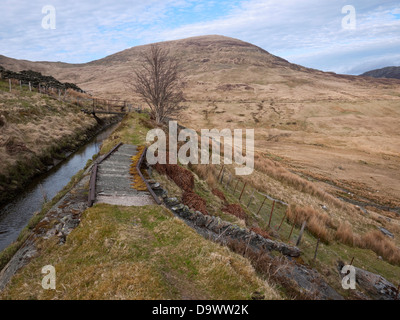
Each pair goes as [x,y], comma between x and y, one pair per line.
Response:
[159,83]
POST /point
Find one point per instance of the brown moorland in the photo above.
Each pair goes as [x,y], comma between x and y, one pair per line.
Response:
[319,135]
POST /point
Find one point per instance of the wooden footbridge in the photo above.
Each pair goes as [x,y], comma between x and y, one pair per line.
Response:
[104,106]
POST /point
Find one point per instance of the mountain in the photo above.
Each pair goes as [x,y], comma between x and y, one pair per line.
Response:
[208,61]
[340,128]
[388,72]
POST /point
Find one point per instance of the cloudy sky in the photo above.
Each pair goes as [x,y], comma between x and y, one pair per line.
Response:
[344,36]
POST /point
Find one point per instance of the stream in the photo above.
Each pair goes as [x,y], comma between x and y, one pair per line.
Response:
[15,215]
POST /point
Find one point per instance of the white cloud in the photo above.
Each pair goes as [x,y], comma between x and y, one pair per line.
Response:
[290,28]
[306,32]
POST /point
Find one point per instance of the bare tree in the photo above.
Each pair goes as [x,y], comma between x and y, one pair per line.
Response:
[159,82]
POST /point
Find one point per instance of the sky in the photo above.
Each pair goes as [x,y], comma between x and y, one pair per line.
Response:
[343,36]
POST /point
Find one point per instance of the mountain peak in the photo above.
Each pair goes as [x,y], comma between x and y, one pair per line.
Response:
[387,72]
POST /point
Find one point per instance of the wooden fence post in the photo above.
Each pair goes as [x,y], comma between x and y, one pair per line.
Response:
[301,233]
[251,199]
[283,219]
[265,198]
[316,250]
[242,190]
[220,172]
[229,182]
[270,216]
[222,175]
[30,86]
[236,186]
[9,82]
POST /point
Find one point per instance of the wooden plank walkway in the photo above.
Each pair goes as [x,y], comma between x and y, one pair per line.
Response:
[114,182]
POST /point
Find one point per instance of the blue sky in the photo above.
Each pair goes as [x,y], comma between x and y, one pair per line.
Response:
[306,32]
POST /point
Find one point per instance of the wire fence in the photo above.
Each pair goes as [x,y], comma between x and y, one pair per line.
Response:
[271,214]
[76,97]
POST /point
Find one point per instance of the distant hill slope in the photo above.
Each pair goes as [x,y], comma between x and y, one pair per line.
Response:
[340,130]
[388,72]
[211,63]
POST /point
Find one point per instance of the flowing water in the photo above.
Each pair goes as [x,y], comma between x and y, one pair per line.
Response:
[15,215]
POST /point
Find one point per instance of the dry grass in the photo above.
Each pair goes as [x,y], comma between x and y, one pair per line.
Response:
[181,176]
[205,172]
[219,194]
[138,183]
[278,172]
[344,234]
[36,129]
[373,240]
[381,245]
[236,210]
[318,223]
[195,202]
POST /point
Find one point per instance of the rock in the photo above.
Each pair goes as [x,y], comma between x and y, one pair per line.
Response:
[308,281]
[324,207]
[172,201]
[177,207]
[200,220]
[209,221]
[257,296]
[216,225]
[386,232]
[374,285]
[155,186]
[164,194]
[362,210]
[185,213]
[36,78]
[20,259]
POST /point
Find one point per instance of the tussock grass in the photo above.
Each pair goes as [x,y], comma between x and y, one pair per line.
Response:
[318,224]
[205,172]
[138,182]
[35,129]
[278,172]
[373,240]
[381,245]
[344,234]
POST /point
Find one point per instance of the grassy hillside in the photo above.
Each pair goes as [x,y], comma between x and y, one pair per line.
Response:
[319,137]
[331,128]
[36,131]
[137,253]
